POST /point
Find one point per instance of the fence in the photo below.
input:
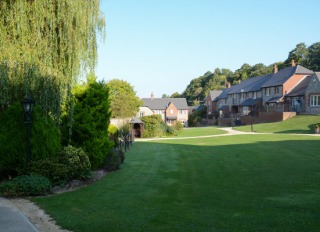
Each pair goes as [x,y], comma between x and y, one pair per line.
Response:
[123,139]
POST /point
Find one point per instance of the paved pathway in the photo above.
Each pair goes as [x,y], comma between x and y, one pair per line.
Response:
[12,220]
[230,131]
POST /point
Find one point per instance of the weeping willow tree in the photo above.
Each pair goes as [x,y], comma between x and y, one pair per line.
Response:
[45,45]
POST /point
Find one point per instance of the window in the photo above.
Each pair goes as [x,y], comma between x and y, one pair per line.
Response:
[314,100]
[141,114]
[171,111]
[277,90]
[254,95]
[267,91]
[181,112]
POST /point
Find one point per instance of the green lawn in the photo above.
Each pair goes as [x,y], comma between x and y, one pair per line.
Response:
[200,131]
[302,124]
[233,183]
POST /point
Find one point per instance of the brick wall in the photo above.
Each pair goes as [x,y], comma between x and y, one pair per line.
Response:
[292,82]
[265,117]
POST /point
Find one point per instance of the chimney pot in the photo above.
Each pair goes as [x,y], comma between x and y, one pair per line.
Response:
[275,68]
[152,96]
[293,63]
[229,85]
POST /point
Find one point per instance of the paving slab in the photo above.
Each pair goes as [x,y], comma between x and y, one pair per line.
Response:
[12,220]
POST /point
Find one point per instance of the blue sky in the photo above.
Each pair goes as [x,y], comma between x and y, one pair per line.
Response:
[159,46]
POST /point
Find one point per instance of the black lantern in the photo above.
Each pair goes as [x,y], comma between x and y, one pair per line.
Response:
[27,104]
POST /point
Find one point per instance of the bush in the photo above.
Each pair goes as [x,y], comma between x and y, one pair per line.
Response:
[77,162]
[91,119]
[175,129]
[56,172]
[112,130]
[153,126]
[25,186]
[44,140]
[114,159]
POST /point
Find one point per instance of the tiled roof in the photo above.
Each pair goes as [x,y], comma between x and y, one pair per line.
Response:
[250,101]
[242,85]
[223,107]
[251,84]
[215,94]
[256,85]
[283,75]
[135,120]
[225,93]
[275,99]
[300,89]
[162,103]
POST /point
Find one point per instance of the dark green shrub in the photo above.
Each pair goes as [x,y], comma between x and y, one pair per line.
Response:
[91,121]
[25,186]
[77,162]
[45,139]
[114,159]
[56,172]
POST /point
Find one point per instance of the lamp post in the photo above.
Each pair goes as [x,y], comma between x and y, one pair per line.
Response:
[27,104]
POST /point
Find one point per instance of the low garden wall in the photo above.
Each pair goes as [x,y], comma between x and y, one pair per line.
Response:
[264,117]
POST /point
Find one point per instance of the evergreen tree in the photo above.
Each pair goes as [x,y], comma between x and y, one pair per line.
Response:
[91,120]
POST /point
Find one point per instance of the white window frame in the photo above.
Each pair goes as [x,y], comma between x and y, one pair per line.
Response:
[314,100]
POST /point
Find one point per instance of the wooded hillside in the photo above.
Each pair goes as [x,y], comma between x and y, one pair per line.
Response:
[198,88]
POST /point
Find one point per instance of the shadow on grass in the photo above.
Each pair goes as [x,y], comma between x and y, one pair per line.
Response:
[236,183]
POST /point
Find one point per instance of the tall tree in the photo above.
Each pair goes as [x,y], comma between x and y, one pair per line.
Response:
[123,99]
[298,54]
[313,57]
[176,95]
[259,70]
[91,120]
[45,45]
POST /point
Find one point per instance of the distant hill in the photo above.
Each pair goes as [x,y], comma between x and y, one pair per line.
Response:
[199,87]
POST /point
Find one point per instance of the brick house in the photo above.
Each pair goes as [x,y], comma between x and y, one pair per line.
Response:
[170,109]
[292,89]
[211,102]
[283,83]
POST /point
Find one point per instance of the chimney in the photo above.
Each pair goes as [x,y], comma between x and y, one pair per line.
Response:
[239,81]
[293,63]
[229,85]
[275,68]
[152,96]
